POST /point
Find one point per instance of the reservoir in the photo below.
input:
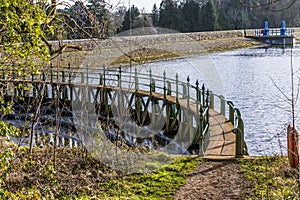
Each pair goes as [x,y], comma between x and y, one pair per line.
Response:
[257,81]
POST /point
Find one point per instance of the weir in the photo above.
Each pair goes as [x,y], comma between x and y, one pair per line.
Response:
[133,107]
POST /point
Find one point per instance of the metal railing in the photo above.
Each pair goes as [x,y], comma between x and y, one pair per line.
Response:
[233,114]
[191,96]
[274,32]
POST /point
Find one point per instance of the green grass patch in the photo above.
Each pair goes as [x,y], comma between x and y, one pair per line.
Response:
[270,178]
[144,55]
[160,184]
[73,174]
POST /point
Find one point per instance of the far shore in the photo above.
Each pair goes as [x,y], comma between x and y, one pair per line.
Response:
[172,51]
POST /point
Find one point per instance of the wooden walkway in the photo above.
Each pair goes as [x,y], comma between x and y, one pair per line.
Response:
[222,139]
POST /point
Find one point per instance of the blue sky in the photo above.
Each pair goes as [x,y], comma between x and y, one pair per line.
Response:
[147,4]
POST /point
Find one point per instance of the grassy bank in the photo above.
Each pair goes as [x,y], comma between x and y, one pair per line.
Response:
[270,177]
[165,51]
[73,174]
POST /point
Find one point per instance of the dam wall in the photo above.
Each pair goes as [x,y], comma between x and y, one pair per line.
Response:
[91,44]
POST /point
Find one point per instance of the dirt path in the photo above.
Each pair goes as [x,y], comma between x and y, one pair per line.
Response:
[213,180]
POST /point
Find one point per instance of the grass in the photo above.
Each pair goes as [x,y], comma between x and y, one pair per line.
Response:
[144,55]
[270,177]
[73,174]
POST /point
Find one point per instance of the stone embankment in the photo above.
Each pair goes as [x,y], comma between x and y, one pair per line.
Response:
[139,37]
[108,51]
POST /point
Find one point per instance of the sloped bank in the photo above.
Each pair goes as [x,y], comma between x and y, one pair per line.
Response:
[180,44]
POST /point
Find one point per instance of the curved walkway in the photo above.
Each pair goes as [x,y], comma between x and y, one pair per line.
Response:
[222,139]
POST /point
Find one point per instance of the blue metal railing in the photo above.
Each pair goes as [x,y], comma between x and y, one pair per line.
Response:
[274,32]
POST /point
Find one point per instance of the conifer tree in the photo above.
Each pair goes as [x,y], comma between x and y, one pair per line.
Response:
[170,15]
[129,18]
[155,15]
[191,18]
[209,17]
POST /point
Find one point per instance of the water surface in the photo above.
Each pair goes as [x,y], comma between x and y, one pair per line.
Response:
[257,81]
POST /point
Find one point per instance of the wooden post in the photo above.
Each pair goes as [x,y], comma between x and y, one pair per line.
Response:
[104,72]
[63,87]
[101,90]
[168,117]
[87,75]
[152,86]
[14,83]
[81,87]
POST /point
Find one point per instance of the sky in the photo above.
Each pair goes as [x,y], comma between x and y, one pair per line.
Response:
[147,4]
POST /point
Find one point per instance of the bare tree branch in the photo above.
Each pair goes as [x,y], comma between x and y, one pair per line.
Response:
[268,5]
[280,90]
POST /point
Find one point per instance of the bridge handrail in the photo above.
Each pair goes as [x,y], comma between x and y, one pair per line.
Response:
[166,82]
[234,116]
[193,94]
[201,95]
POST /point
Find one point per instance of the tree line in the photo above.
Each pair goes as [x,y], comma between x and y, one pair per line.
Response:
[181,16]
[213,15]
[97,19]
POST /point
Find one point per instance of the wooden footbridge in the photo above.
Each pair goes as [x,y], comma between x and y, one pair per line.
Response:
[186,114]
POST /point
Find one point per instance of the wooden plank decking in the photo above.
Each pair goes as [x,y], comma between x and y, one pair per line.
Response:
[222,138]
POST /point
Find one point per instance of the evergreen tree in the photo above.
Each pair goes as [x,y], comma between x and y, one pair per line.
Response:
[129,18]
[79,18]
[170,15]
[209,17]
[224,20]
[155,16]
[99,17]
[191,18]
[238,14]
